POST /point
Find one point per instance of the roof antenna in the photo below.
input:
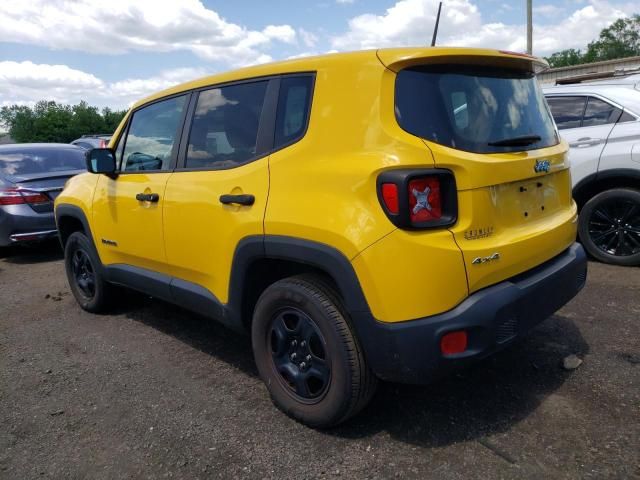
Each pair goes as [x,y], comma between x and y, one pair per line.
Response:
[435,28]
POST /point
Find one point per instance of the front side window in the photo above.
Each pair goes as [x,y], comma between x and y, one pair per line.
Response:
[599,112]
[225,126]
[482,110]
[293,109]
[152,134]
[567,111]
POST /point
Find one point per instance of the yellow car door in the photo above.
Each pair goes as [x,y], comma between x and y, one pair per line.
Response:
[127,209]
[218,195]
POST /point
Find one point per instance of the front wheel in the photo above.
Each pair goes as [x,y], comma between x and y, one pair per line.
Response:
[307,354]
[609,227]
[84,273]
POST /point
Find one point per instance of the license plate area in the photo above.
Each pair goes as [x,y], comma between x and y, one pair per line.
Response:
[521,202]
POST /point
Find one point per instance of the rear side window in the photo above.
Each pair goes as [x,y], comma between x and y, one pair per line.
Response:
[482,110]
[293,109]
[225,126]
[567,111]
[152,135]
[599,112]
[626,117]
[40,160]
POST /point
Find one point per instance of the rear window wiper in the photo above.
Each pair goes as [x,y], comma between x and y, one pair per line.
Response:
[521,141]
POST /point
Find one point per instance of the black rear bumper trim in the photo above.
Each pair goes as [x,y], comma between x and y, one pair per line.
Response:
[494,317]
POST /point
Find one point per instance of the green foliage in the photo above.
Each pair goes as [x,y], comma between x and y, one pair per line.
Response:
[619,40]
[565,58]
[53,122]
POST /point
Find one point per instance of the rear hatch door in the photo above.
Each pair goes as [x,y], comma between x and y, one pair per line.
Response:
[483,117]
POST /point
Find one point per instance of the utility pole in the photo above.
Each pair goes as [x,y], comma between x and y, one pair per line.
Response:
[529,28]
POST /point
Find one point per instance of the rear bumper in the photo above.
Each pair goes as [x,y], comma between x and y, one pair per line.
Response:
[21,224]
[409,352]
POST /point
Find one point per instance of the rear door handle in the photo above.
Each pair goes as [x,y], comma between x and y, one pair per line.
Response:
[244,199]
[586,142]
[148,197]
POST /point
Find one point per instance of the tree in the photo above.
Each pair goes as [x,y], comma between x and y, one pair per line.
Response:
[621,39]
[19,119]
[49,121]
[565,58]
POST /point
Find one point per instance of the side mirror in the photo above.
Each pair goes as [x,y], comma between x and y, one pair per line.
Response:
[101,160]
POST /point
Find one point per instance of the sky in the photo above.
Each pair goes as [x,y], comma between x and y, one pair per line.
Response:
[114,52]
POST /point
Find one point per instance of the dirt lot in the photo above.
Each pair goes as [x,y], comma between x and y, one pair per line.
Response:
[152,391]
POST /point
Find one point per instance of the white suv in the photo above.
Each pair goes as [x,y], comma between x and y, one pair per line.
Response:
[601,122]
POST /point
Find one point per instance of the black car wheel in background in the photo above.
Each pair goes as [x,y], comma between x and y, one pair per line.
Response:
[609,226]
[31,177]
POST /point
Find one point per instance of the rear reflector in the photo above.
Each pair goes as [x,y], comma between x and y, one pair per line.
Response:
[16,196]
[425,203]
[453,342]
[390,197]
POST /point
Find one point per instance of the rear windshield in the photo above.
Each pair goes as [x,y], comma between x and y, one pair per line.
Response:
[469,108]
[27,162]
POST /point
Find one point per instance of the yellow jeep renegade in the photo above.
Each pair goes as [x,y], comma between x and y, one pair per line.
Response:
[388,214]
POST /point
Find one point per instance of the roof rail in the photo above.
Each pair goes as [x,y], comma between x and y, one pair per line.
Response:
[90,135]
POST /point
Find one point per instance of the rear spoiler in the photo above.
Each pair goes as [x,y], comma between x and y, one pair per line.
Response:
[400,58]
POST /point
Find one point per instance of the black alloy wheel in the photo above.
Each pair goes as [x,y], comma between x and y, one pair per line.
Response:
[299,354]
[308,354]
[610,227]
[83,273]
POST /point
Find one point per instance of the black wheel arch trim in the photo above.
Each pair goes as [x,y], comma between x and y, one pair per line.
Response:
[75,212]
[621,173]
[318,255]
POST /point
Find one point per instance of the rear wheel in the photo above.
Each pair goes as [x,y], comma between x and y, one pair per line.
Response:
[84,273]
[609,227]
[307,354]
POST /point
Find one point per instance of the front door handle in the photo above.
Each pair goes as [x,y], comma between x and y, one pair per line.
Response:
[148,197]
[245,199]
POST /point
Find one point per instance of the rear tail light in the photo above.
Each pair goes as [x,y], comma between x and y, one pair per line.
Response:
[418,199]
[390,197]
[425,203]
[17,196]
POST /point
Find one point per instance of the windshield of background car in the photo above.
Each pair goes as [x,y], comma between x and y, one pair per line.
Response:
[468,108]
[27,162]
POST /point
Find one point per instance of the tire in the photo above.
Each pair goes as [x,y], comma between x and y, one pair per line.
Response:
[85,275]
[308,312]
[609,227]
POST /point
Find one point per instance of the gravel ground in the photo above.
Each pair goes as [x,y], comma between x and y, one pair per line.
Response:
[152,391]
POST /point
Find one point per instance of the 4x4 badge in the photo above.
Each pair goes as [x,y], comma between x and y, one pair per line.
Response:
[490,258]
[422,200]
[542,166]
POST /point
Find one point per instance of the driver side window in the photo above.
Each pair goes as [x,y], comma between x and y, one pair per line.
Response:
[152,135]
